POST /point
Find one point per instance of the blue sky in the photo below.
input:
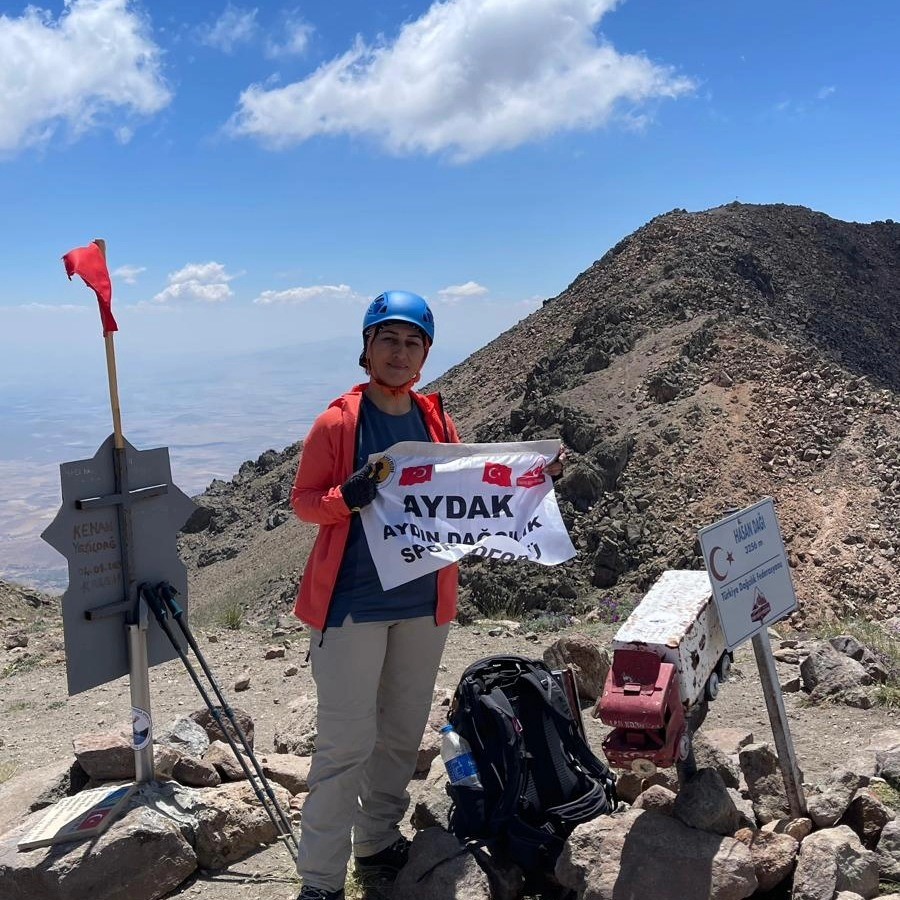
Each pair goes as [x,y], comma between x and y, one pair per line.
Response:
[259,171]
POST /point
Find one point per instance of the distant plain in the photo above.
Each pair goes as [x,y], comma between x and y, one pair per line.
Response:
[212,413]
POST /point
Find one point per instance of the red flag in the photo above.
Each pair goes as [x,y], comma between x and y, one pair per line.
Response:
[496,473]
[90,264]
[533,477]
[416,474]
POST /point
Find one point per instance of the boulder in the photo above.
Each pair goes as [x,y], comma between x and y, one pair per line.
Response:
[589,662]
[432,808]
[764,782]
[828,801]
[141,856]
[291,772]
[773,855]
[704,803]
[827,673]
[798,829]
[186,736]
[430,745]
[657,798]
[507,880]
[205,719]
[834,860]
[630,786]
[744,807]
[867,815]
[221,757]
[709,754]
[196,772]
[867,658]
[887,766]
[888,851]
[655,856]
[439,869]
[231,823]
[109,756]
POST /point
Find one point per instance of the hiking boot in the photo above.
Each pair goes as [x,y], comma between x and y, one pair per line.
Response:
[308,892]
[385,864]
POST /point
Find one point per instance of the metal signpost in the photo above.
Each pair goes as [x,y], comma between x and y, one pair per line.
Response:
[116,527]
[752,589]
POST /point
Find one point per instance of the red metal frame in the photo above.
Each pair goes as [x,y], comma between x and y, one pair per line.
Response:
[641,702]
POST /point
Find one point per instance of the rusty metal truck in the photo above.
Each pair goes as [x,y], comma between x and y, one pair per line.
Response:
[669,657]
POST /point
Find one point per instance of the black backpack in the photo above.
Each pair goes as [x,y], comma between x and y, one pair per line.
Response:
[539,777]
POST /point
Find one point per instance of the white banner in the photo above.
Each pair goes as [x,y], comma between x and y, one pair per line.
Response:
[437,503]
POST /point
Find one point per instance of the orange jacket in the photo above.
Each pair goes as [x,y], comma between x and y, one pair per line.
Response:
[328,459]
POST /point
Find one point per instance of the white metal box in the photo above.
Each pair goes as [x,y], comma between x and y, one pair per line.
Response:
[678,621]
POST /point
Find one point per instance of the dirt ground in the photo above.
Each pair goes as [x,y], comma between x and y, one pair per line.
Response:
[38,720]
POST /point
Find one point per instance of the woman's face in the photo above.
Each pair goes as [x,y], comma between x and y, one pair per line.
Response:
[396,353]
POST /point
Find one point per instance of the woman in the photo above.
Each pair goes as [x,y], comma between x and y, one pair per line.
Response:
[375,667]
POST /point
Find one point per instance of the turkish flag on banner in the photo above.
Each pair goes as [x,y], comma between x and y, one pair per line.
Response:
[416,474]
[533,477]
[90,264]
[472,504]
[497,473]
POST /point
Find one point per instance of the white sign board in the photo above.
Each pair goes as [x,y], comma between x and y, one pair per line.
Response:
[437,503]
[749,571]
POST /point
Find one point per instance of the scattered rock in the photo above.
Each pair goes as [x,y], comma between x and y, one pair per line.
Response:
[834,860]
[589,662]
[655,856]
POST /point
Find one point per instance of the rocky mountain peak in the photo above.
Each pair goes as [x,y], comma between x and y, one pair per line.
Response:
[706,361]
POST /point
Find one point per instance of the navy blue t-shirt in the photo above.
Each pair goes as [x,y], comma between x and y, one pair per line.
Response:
[358,591]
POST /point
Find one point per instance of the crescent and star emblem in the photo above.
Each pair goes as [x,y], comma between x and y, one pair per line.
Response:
[729,558]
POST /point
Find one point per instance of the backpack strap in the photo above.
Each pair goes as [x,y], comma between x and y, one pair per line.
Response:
[497,706]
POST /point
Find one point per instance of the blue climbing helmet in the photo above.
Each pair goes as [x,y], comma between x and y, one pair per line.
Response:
[400,306]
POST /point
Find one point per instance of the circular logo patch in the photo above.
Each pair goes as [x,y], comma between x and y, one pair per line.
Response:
[384,471]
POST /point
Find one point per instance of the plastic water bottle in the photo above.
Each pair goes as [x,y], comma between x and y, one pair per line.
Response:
[457,756]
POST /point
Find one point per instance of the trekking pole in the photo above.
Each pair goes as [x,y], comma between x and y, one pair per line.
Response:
[161,601]
[167,592]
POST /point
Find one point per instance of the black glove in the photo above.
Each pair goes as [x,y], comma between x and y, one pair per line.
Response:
[359,489]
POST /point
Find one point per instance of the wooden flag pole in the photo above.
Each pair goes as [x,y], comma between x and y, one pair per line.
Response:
[111,374]
[136,624]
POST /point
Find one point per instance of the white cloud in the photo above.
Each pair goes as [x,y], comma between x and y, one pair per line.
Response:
[234,26]
[128,274]
[95,61]
[296,39]
[455,292]
[317,293]
[825,92]
[49,307]
[469,77]
[207,282]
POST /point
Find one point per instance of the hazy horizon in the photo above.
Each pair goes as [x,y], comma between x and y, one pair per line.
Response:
[212,414]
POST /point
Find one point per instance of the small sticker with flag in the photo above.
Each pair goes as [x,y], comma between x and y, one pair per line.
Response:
[533,477]
[497,473]
[416,474]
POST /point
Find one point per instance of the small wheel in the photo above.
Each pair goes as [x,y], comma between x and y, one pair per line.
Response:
[724,667]
[712,687]
[684,746]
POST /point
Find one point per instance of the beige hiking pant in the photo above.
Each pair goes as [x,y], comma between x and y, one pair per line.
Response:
[375,682]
